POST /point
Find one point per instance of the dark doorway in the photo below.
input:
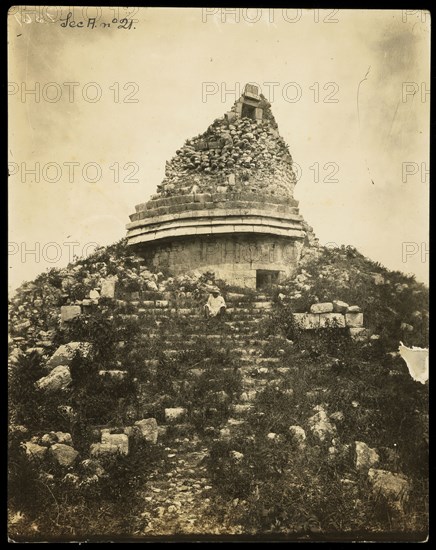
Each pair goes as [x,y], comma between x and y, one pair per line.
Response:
[266,279]
[248,111]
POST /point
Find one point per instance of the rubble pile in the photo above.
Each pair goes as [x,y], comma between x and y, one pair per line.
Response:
[234,154]
[37,309]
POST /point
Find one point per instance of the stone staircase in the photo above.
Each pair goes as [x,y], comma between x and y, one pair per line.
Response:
[177,502]
[238,331]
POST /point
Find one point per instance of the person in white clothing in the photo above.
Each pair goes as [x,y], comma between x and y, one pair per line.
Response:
[216,306]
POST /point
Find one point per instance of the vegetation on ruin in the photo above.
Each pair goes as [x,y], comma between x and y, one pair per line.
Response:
[263,480]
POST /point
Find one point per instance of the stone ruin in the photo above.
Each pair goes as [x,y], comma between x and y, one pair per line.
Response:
[226,203]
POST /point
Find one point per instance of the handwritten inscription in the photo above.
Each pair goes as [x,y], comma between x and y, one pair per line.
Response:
[92,23]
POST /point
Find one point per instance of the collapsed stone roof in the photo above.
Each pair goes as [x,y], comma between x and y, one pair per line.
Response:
[234,178]
[241,151]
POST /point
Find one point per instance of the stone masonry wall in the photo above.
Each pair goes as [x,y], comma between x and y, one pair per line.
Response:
[234,258]
[204,201]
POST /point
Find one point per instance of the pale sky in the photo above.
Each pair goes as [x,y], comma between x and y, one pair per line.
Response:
[350,98]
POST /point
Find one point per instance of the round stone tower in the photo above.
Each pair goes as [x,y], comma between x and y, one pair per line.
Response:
[226,203]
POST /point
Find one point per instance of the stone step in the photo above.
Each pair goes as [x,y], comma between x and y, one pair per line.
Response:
[232,313]
[174,337]
[258,371]
[244,311]
[256,361]
[248,322]
[242,409]
[248,395]
[174,352]
[151,363]
[253,384]
[252,341]
[247,351]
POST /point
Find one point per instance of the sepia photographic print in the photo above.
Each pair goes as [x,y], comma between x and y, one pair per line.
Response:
[218,252]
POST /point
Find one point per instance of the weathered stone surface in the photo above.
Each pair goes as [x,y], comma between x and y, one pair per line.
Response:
[237,455]
[93,466]
[242,408]
[174,414]
[359,334]
[353,309]
[221,397]
[102,449]
[69,312]
[49,439]
[94,295]
[331,320]
[394,487]
[58,379]
[234,184]
[338,416]
[35,451]
[299,435]
[111,444]
[149,429]
[162,431]
[113,374]
[63,454]
[108,287]
[57,437]
[65,353]
[354,319]
[306,321]
[323,307]
[339,306]
[121,440]
[365,456]
[248,396]
[320,425]
[64,437]
[378,278]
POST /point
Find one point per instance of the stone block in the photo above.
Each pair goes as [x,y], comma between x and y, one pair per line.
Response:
[58,379]
[70,312]
[394,487]
[320,425]
[108,288]
[354,319]
[64,455]
[359,334]
[354,309]
[331,320]
[242,408]
[57,437]
[174,414]
[298,434]
[93,467]
[149,429]
[110,444]
[65,353]
[340,307]
[306,321]
[102,449]
[323,307]
[113,375]
[34,451]
[365,456]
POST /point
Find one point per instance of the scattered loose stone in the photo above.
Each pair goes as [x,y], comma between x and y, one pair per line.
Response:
[365,456]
